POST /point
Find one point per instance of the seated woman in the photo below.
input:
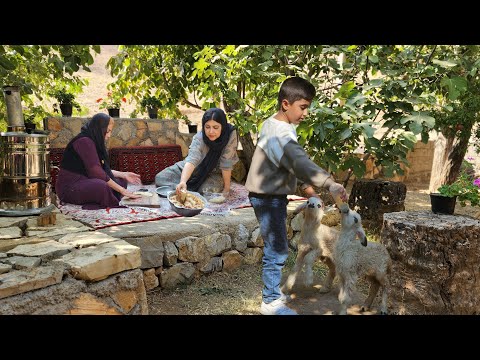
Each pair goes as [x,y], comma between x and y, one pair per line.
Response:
[210,159]
[85,177]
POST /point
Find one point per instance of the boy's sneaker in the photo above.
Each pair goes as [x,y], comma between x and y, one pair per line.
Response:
[276,307]
[285,298]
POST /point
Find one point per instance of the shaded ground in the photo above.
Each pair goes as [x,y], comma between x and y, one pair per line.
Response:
[240,293]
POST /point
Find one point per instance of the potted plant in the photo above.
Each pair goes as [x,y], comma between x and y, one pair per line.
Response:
[466,188]
[112,103]
[192,128]
[152,104]
[33,116]
[65,101]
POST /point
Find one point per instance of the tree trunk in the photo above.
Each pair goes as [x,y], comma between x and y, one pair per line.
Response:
[246,140]
[434,263]
[248,148]
[447,159]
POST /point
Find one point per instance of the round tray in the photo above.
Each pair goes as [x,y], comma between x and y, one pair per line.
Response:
[163,190]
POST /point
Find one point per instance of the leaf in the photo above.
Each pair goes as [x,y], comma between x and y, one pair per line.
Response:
[368,129]
[373,84]
[345,89]
[445,64]
[6,63]
[456,86]
[357,97]
[415,127]
[345,134]
[419,118]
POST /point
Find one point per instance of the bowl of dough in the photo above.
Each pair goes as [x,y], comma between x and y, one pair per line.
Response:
[214,196]
[193,204]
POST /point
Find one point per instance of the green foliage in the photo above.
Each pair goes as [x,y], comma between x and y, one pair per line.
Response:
[113,100]
[39,69]
[151,102]
[186,119]
[63,96]
[381,96]
[465,188]
[34,115]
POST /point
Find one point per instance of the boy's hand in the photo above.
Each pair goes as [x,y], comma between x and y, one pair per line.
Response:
[338,190]
[310,192]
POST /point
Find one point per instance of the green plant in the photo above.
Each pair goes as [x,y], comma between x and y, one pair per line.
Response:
[34,115]
[466,188]
[151,102]
[112,101]
[186,119]
[64,97]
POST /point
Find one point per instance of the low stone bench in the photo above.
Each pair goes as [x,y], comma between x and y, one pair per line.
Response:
[67,269]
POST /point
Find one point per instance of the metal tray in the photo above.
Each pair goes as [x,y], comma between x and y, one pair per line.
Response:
[163,190]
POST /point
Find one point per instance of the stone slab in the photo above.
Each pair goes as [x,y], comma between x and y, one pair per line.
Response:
[97,263]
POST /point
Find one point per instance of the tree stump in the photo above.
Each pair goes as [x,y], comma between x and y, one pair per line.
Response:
[372,198]
[435,263]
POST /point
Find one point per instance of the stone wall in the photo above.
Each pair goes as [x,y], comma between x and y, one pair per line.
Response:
[420,159]
[126,132]
[64,268]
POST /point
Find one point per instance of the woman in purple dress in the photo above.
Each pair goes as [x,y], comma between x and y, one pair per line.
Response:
[85,177]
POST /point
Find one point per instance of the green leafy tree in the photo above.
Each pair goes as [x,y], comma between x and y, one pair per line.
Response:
[38,69]
[378,97]
[456,121]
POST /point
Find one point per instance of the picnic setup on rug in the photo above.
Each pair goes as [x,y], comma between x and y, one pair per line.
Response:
[149,208]
[154,207]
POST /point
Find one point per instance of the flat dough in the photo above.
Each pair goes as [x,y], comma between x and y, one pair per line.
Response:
[217,200]
[143,193]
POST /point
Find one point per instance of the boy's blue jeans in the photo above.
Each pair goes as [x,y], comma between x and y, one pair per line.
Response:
[271,213]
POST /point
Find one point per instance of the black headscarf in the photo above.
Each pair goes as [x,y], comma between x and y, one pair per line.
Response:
[215,148]
[96,129]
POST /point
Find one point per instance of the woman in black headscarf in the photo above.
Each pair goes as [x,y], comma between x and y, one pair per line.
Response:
[85,177]
[210,159]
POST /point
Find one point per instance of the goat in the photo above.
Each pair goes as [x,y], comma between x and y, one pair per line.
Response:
[316,240]
[355,259]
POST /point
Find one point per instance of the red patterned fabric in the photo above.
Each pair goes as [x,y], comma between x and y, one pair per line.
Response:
[147,161]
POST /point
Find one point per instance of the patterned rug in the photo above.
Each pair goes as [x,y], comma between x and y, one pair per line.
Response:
[102,218]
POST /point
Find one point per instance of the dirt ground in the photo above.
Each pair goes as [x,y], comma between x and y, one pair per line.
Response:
[239,293]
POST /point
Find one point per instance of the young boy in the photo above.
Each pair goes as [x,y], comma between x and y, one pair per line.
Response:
[277,163]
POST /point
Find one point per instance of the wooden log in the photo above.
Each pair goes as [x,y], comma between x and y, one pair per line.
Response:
[435,262]
[373,198]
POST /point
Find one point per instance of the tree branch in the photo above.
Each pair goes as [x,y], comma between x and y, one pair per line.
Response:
[431,55]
